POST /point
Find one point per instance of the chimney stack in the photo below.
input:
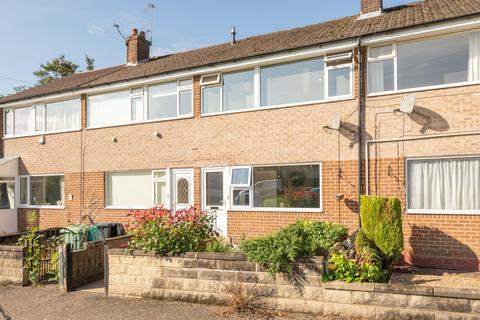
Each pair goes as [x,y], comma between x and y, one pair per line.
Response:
[371,8]
[138,47]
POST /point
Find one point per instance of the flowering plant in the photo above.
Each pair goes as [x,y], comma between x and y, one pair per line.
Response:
[170,232]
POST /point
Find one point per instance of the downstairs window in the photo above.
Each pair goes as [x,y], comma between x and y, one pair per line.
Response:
[448,184]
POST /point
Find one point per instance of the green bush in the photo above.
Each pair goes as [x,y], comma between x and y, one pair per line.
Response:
[382,223]
[280,250]
[217,245]
[349,270]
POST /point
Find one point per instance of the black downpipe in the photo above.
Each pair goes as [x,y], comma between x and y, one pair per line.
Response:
[360,121]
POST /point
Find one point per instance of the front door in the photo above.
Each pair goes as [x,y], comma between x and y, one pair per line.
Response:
[182,189]
[215,195]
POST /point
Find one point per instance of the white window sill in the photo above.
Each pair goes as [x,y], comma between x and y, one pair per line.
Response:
[420,89]
[188,116]
[126,208]
[36,134]
[288,105]
[443,212]
[286,210]
[40,207]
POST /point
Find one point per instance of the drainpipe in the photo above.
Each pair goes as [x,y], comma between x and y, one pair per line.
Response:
[409,138]
[360,120]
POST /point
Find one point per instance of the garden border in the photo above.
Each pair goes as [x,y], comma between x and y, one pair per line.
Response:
[201,277]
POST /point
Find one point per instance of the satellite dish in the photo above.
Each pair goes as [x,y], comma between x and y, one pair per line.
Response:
[336,121]
[408,104]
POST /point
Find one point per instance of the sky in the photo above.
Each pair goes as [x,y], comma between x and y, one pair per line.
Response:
[35,31]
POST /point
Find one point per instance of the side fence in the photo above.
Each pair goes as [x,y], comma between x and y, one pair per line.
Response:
[80,267]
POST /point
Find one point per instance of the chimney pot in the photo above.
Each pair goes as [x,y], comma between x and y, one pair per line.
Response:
[138,48]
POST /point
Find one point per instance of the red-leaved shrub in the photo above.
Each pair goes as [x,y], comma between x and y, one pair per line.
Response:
[170,232]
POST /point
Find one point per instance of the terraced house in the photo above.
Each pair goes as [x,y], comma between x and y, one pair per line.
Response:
[265,130]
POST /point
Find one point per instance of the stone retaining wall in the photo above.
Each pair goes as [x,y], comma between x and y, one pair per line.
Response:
[11,265]
[203,277]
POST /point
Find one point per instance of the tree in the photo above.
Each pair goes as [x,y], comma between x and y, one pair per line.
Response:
[90,63]
[55,69]
[20,88]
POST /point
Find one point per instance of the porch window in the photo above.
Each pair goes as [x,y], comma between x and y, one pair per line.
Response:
[160,185]
[443,184]
[131,189]
[7,193]
[38,191]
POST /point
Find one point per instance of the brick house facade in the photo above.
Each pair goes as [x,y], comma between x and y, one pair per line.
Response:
[445,124]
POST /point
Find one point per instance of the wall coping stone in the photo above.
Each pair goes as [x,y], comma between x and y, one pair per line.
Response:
[12,248]
[340,285]
[225,256]
[404,289]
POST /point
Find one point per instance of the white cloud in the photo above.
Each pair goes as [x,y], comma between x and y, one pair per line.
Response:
[96,30]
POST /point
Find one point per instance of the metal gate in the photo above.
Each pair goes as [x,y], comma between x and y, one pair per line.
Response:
[43,252]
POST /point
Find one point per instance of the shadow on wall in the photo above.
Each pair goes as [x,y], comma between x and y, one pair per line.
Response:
[429,120]
[350,132]
[431,247]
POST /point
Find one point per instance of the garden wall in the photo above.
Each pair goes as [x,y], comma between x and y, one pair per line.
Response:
[203,277]
[11,265]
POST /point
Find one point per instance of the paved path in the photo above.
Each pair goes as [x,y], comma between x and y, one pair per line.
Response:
[39,303]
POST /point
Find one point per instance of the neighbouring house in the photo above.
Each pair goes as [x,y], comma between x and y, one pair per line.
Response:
[265,131]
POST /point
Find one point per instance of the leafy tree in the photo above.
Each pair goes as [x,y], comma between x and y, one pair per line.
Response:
[55,69]
[89,62]
[20,88]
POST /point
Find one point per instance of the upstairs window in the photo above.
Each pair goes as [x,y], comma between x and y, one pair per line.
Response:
[115,108]
[51,117]
[431,62]
[294,82]
[63,115]
[228,92]
[170,100]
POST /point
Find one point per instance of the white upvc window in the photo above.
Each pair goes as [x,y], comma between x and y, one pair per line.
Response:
[297,82]
[38,191]
[276,187]
[128,189]
[170,100]
[443,185]
[136,104]
[43,118]
[161,187]
[433,62]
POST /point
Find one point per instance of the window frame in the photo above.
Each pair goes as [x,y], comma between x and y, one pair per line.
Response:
[33,123]
[178,90]
[257,85]
[165,179]
[252,208]
[435,211]
[394,56]
[327,80]
[30,206]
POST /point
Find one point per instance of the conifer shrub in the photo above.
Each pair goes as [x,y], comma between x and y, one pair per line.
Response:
[382,223]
